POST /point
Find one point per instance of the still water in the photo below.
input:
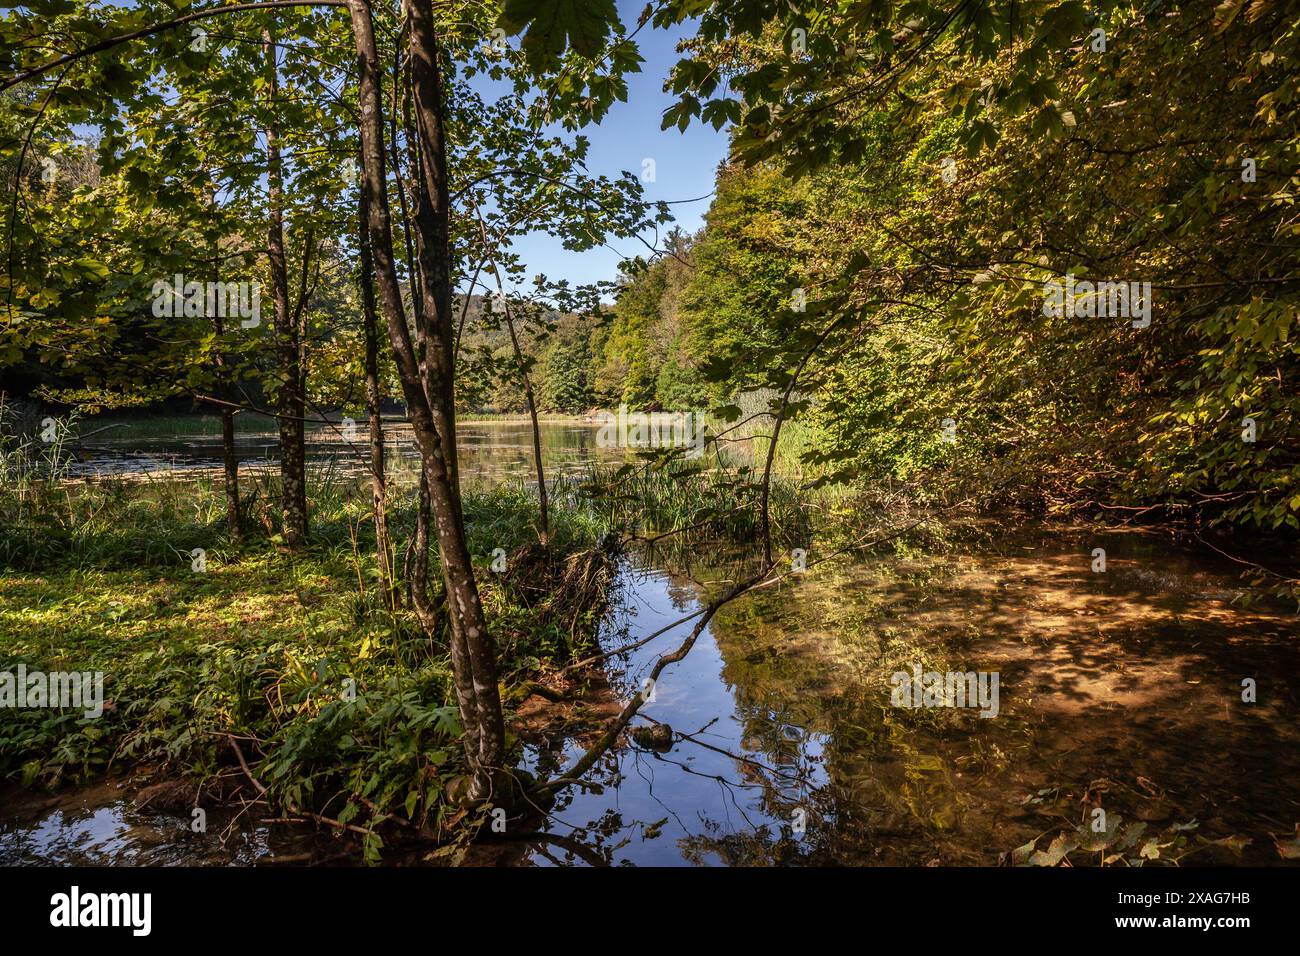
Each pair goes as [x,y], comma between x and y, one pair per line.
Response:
[494,449]
[1119,692]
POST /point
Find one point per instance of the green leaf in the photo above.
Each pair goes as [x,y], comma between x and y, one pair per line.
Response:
[553,25]
[1055,853]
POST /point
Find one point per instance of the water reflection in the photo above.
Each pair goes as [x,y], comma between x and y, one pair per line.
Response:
[103,826]
[487,449]
[1120,692]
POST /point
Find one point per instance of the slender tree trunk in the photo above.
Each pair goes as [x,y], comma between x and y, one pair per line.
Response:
[432,218]
[544,534]
[473,664]
[289,404]
[374,402]
[230,463]
[418,584]
[419,580]
[229,458]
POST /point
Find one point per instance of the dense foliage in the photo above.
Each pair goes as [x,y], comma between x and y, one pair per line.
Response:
[1152,146]
[901,267]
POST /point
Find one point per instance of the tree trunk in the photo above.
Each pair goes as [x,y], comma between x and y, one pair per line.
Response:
[432,219]
[229,459]
[289,404]
[473,663]
[545,531]
[230,462]
[374,402]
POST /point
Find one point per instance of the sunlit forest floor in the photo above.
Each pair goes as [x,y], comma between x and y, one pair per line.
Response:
[270,651]
[285,670]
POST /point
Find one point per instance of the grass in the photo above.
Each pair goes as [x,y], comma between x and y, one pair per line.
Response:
[343,707]
[521,418]
[752,432]
[710,502]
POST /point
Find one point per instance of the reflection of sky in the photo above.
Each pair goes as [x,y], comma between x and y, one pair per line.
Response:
[84,834]
[681,785]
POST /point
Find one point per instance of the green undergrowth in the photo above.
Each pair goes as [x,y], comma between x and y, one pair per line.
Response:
[339,706]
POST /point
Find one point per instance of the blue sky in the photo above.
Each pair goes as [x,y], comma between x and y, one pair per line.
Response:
[685,163]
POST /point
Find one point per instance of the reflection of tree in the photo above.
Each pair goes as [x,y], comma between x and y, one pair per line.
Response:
[760,847]
[835,829]
[683,592]
[815,749]
[811,749]
[496,449]
[814,731]
[564,844]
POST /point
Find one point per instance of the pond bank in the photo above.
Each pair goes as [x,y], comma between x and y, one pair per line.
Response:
[1120,692]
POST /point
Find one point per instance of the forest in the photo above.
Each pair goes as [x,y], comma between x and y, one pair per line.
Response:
[930,496]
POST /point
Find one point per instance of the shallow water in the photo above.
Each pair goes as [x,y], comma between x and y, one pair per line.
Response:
[105,826]
[1118,691]
[488,449]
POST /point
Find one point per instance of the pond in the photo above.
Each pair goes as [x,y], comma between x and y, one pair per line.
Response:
[492,448]
[1119,691]
[1122,733]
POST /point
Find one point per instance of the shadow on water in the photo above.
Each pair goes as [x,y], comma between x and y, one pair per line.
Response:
[1118,691]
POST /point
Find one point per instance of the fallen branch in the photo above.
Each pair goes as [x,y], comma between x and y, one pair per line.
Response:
[301,816]
[594,753]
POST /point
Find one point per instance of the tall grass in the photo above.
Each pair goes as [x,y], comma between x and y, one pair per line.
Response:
[699,502]
[514,418]
[749,437]
[155,519]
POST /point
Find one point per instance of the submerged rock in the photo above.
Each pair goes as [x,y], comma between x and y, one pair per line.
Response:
[653,737]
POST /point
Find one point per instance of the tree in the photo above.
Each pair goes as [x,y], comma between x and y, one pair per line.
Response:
[566,370]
